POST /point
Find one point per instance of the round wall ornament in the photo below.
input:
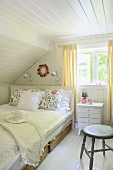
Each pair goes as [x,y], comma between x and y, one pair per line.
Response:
[43,70]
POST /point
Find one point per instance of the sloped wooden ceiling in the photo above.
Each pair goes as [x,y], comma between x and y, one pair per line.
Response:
[15,58]
[59,18]
[27,26]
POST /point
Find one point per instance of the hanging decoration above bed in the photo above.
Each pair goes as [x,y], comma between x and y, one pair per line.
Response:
[43,70]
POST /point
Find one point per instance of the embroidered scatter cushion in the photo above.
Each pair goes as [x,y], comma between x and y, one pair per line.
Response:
[29,101]
[15,97]
[51,100]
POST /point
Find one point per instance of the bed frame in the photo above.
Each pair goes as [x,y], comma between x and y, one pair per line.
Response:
[59,133]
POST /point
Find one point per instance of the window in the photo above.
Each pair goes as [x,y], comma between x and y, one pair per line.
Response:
[92,66]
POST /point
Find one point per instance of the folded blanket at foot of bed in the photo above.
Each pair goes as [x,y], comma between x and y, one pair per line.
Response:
[29,139]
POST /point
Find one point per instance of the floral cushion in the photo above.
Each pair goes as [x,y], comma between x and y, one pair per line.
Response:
[51,100]
[14,100]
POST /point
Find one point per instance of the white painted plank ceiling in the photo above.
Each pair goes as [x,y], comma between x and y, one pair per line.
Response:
[56,18]
[15,58]
[27,26]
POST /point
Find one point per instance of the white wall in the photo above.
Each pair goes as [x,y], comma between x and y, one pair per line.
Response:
[54,60]
[4,94]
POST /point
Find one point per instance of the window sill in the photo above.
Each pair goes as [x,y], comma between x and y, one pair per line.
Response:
[92,86]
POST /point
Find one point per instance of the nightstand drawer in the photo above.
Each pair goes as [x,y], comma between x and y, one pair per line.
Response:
[89,115]
[83,110]
[82,114]
[91,120]
[88,110]
[84,119]
[95,115]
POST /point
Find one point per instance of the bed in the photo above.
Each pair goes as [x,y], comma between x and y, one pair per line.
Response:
[54,131]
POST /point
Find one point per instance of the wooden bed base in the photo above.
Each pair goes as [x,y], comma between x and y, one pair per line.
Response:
[52,144]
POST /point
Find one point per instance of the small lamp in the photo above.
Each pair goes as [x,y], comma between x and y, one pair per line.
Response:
[55,75]
[84,96]
[27,76]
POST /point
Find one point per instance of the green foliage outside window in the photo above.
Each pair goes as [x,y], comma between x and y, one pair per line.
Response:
[102,67]
[101,62]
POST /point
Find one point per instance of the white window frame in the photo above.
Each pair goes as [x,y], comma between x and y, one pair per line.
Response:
[96,51]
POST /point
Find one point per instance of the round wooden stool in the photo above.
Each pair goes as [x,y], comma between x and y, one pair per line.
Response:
[96,132]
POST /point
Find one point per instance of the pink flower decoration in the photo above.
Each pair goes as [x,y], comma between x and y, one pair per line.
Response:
[54,91]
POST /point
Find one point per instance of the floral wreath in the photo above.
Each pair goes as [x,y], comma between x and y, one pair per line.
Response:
[43,70]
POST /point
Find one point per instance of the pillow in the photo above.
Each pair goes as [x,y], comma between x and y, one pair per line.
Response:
[14,100]
[40,94]
[15,97]
[29,101]
[51,100]
[59,91]
[65,102]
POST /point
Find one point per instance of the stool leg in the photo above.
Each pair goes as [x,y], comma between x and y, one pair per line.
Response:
[83,146]
[103,145]
[92,153]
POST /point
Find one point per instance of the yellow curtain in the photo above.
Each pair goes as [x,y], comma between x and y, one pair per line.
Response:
[110,57]
[70,69]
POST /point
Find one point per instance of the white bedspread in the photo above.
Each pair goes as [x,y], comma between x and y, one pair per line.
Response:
[29,138]
[9,147]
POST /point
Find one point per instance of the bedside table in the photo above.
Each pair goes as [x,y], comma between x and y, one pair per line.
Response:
[89,114]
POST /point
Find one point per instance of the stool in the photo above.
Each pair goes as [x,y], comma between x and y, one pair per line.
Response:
[96,132]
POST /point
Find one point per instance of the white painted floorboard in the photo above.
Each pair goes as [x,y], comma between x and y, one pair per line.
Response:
[66,155]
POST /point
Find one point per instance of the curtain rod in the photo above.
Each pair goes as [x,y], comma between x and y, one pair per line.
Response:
[65,45]
[108,36]
[84,43]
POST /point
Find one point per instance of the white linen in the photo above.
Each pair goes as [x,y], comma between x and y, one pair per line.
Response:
[47,120]
[5,110]
[29,101]
[8,148]
[65,102]
[30,139]
[19,116]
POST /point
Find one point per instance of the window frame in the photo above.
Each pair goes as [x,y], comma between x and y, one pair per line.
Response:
[95,52]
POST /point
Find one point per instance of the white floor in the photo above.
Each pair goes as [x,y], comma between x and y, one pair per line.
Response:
[66,155]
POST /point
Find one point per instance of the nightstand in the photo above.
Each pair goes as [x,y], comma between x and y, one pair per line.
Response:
[89,114]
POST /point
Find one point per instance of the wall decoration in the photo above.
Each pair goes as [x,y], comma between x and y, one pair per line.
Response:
[43,70]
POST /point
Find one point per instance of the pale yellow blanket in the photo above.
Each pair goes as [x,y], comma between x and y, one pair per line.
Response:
[29,136]
[30,139]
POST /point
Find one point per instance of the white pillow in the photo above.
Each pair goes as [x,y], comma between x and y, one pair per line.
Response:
[15,97]
[65,102]
[40,94]
[29,101]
